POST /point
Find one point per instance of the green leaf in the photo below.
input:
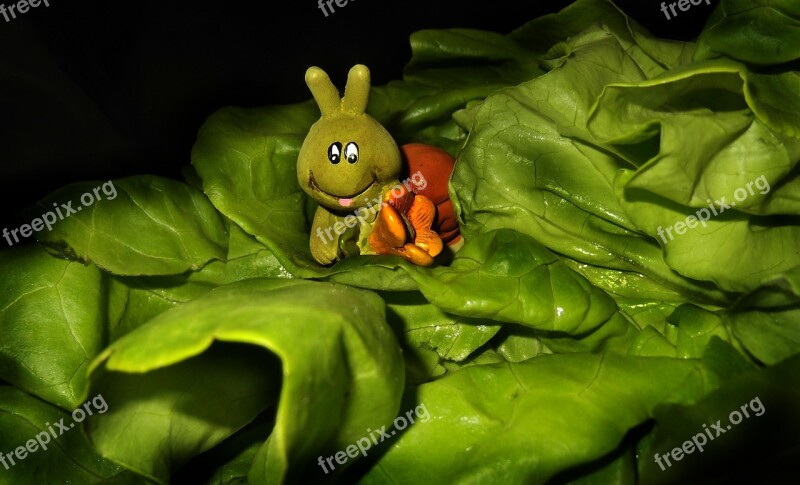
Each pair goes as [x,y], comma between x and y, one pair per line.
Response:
[760,448]
[695,329]
[527,167]
[755,31]
[715,101]
[519,344]
[780,291]
[430,335]
[333,332]
[523,423]
[770,336]
[25,423]
[230,461]
[248,258]
[52,321]
[774,99]
[736,252]
[143,225]
[247,159]
[507,277]
[546,32]
[169,415]
[135,300]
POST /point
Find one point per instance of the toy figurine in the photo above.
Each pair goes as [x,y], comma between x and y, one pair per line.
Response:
[352,167]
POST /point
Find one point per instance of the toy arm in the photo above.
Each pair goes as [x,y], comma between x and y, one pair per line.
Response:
[324,241]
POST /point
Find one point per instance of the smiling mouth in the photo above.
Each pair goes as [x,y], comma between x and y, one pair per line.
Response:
[342,201]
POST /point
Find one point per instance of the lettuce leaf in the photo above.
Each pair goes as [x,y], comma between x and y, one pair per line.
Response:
[754,31]
[570,338]
[524,422]
[152,226]
[52,323]
[69,457]
[341,338]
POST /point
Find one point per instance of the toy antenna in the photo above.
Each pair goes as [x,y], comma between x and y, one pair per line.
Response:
[323,90]
[356,93]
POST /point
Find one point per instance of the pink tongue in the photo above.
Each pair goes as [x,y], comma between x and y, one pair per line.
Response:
[345,202]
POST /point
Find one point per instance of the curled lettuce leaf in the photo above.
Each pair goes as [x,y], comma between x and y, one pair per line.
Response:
[333,332]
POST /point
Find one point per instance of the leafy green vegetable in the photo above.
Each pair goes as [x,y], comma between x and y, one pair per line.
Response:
[500,276]
[432,335]
[522,423]
[335,333]
[69,457]
[230,461]
[152,226]
[574,215]
[578,331]
[765,401]
[754,31]
[168,415]
[51,322]
[769,336]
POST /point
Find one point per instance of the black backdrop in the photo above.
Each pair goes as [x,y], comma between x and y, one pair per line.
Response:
[93,90]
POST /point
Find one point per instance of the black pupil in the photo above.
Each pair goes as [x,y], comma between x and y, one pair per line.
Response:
[351,152]
[334,152]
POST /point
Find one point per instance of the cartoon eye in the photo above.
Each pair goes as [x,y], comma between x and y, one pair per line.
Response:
[351,152]
[335,152]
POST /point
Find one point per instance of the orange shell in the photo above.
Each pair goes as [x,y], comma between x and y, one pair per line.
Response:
[436,166]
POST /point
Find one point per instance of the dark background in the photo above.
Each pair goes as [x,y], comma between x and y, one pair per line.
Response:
[94,90]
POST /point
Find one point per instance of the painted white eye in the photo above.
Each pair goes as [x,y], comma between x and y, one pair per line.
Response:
[351,152]
[335,152]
